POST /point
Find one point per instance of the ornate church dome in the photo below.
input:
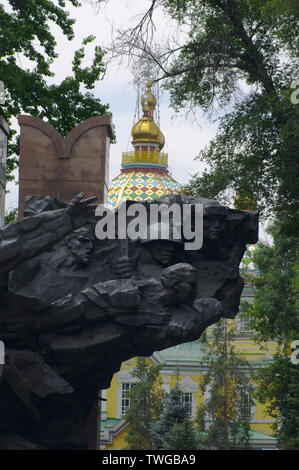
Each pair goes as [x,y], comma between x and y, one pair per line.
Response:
[145,130]
[144,171]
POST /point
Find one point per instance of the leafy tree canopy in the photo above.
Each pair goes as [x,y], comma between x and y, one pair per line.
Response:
[274,316]
[278,389]
[174,430]
[240,58]
[25,35]
[145,404]
[224,417]
[11,217]
[274,311]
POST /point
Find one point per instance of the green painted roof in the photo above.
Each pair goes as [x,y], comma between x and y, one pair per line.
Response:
[108,423]
[254,435]
[185,352]
[261,436]
[194,351]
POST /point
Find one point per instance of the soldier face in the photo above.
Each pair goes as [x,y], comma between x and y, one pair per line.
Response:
[82,248]
[213,226]
[163,251]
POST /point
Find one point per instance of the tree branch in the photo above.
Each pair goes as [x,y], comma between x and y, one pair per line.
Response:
[231,10]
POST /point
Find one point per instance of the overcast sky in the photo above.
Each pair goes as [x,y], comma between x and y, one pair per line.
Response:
[184,137]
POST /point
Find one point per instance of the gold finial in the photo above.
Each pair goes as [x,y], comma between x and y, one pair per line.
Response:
[148,101]
[245,201]
[146,130]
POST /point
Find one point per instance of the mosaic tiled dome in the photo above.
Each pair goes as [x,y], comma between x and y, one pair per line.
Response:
[140,185]
[144,174]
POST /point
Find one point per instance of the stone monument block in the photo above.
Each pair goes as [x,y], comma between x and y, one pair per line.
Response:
[62,167]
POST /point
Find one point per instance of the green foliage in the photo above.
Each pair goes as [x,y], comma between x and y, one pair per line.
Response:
[255,154]
[228,41]
[174,430]
[25,29]
[256,144]
[181,436]
[224,418]
[274,312]
[278,388]
[145,405]
[11,217]
[274,316]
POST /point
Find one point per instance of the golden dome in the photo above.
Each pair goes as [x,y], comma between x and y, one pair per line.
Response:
[161,140]
[146,130]
[245,202]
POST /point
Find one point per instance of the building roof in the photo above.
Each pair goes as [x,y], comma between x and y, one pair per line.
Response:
[191,352]
[109,423]
[141,184]
[111,427]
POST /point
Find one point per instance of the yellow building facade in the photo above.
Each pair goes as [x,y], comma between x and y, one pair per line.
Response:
[182,366]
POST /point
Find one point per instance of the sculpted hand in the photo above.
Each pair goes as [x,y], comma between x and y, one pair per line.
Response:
[180,279]
[209,308]
[122,268]
[79,211]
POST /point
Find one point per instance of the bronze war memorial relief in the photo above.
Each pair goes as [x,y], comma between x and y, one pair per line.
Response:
[73,307]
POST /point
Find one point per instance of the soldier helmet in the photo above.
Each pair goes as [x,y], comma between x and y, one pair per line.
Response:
[163,232]
[215,210]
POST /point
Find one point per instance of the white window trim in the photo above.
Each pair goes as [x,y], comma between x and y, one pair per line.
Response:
[241,322]
[122,377]
[207,396]
[187,385]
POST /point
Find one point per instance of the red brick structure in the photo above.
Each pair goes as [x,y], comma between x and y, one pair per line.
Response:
[62,167]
